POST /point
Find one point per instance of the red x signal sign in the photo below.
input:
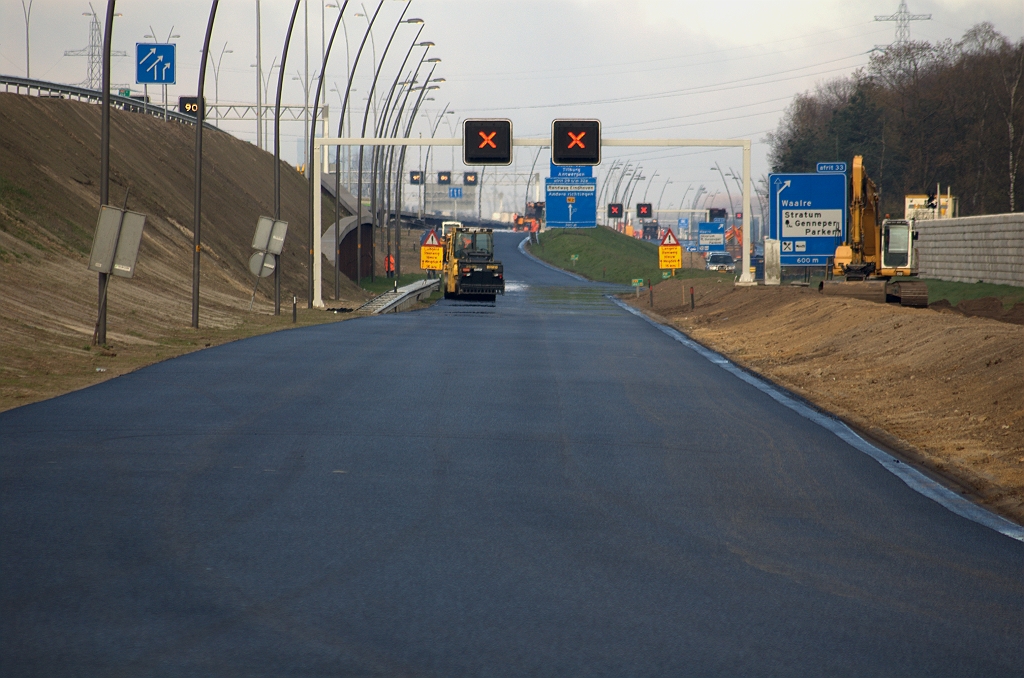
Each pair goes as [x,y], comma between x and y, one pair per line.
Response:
[576,142]
[487,142]
[488,139]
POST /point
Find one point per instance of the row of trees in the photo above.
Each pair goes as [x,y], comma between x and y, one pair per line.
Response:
[921,115]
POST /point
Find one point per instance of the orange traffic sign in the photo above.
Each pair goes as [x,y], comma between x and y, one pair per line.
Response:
[431,253]
[670,253]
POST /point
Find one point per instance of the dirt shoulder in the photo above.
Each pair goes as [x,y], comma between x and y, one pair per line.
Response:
[939,388]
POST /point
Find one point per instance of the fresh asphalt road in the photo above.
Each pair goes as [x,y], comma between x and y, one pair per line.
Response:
[547,485]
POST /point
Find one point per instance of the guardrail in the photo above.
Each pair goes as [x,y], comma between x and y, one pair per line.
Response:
[42,88]
[393,301]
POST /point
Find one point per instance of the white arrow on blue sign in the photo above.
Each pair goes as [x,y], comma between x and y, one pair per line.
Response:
[455,192]
[154,63]
[807,213]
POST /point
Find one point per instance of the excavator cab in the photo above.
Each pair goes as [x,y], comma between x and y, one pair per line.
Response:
[896,246]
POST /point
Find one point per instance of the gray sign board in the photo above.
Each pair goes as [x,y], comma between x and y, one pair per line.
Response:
[128,242]
[269,236]
[115,245]
[104,240]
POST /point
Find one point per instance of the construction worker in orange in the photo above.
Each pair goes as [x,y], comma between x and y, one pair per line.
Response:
[389,265]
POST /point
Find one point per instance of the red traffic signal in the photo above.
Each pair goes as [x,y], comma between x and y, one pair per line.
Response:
[576,142]
[487,142]
[614,210]
[644,210]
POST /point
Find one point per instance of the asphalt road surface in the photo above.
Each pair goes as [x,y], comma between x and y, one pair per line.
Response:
[544,486]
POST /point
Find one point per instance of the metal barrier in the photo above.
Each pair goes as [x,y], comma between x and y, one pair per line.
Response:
[42,88]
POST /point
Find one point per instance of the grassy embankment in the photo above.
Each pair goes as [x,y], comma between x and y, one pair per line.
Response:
[955,292]
[608,256]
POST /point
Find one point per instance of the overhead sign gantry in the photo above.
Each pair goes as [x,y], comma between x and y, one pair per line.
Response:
[582,143]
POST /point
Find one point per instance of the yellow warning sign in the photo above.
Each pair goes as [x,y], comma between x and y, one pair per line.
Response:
[670,257]
[431,258]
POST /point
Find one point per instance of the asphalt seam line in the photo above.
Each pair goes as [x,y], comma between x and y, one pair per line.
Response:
[913,478]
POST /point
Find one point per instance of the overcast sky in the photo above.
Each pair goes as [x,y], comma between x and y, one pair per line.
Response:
[645,68]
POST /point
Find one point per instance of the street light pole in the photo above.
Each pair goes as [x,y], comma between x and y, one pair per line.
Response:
[101,320]
[198,198]
[314,182]
[27,11]
[732,212]
[667,182]
[277,155]
[362,133]
[648,188]
[259,81]
[216,78]
[337,175]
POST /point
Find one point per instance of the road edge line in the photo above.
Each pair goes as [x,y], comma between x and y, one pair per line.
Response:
[914,479]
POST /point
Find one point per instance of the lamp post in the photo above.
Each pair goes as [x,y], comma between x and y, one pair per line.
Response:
[379,153]
[622,175]
[101,319]
[366,115]
[261,118]
[314,182]
[732,213]
[216,78]
[401,168]
[198,198]
[426,158]
[27,11]
[667,182]
[277,153]
[170,36]
[337,175]
[604,184]
[649,183]
[637,177]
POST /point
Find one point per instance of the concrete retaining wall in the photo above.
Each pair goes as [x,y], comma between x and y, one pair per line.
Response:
[989,248]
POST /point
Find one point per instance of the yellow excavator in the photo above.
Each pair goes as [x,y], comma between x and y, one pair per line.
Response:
[878,259]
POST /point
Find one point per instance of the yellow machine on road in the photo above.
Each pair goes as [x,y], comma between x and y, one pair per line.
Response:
[878,258]
[469,266]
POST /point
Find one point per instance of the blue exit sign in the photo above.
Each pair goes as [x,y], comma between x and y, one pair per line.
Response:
[824,167]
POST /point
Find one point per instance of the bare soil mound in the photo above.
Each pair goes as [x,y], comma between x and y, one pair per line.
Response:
[985,307]
[940,387]
[49,201]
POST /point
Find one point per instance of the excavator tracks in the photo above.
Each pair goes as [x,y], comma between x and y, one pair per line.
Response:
[911,293]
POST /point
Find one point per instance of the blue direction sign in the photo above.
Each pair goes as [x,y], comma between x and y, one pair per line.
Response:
[571,171]
[571,203]
[455,192]
[711,236]
[154,63]
[832,167]
[807,213]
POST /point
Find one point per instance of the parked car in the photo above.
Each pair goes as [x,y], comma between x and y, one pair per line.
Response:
[720,261]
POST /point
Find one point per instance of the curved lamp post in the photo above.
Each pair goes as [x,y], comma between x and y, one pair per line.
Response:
[732,212]
[362,133]
[337,175]
[314,182]
[383,123]
[198,198]
[401,164]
